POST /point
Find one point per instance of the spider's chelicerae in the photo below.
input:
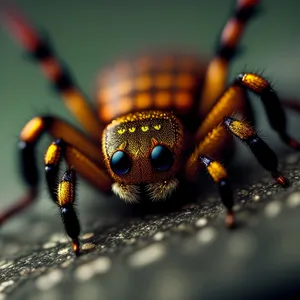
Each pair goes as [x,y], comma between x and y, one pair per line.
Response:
[160,120]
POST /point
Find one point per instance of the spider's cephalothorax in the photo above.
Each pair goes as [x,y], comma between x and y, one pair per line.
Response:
[161,118]
[143,148]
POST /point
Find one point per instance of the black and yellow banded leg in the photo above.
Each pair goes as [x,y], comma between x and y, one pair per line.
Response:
[79,162]
[63,193]
[211,145]
[217,72]
[57,129]
[65,200]
[66,193]
[231,101]
[219,175]
[276,115]
[55,71]
[263,153]
[29,137]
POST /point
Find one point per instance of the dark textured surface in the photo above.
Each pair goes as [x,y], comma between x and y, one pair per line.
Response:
[182,254]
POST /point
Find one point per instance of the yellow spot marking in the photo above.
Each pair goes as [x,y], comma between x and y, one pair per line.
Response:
[255,82]
[121,130]
[143,100]
[145,128]
[52,155]
[240,129]
[65,193]
[217,171]
[157,127]
[32,130]
[163,81]
[143,83]
[132,129]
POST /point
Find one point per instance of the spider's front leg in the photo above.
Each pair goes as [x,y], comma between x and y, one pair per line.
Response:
[80,153]
[63,193]
[214,133]
[213,143]
[219,175]
[211,146]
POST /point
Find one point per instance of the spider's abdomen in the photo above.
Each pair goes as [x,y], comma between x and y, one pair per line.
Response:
[154,82]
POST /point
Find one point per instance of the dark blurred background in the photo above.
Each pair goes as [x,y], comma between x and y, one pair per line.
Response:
[88,34]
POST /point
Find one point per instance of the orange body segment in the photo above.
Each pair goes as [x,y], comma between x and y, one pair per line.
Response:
[165,82]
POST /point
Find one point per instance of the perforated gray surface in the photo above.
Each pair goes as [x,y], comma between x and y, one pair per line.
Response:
[184,254]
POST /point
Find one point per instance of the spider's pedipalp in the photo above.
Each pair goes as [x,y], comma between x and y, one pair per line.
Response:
[128,192]
[161,190]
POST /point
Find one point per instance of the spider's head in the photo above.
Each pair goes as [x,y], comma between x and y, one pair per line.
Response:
[143,149]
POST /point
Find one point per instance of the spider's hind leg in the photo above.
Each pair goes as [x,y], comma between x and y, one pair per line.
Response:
[40,49]
[217,71]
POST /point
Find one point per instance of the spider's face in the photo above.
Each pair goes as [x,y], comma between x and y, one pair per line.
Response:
[143,148]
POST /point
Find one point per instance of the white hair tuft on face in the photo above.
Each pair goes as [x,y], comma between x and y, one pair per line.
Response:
[161,190]
[127,192]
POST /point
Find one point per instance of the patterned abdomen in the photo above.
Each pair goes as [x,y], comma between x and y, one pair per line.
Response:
[162,82]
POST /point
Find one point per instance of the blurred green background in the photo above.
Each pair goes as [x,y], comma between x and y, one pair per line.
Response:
[88,34]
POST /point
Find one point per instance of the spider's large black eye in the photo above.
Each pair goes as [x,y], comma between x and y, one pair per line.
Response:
[161,158]
[120,163]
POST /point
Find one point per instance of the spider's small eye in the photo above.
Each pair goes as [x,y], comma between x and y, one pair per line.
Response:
[161,158]
[120,162]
